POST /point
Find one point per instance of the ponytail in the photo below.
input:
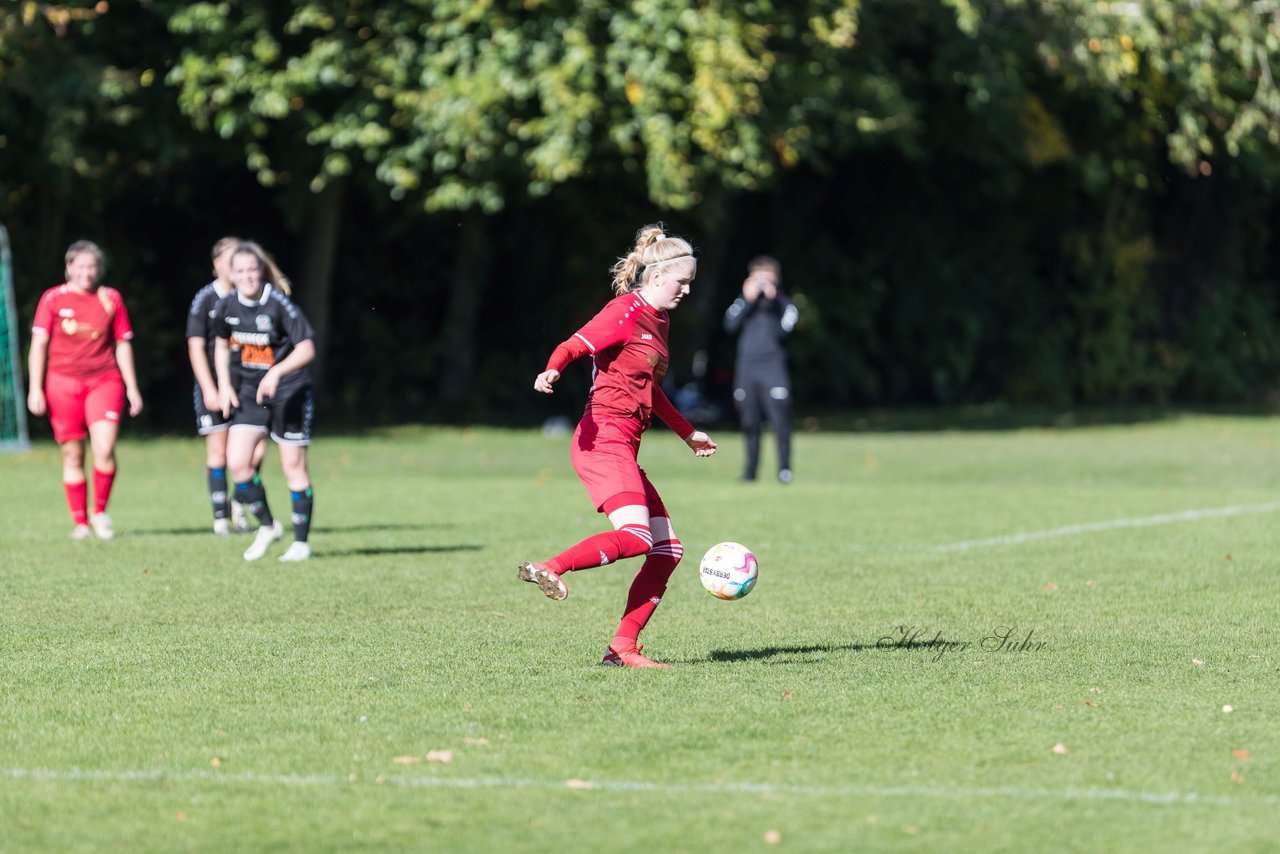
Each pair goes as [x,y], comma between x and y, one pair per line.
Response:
[276,275]
[652,246]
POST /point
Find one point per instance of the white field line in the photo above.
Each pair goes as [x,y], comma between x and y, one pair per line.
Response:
[1110,525]
[76,775]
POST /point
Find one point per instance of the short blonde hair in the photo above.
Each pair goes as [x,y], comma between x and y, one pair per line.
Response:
[80,247]
[653,246]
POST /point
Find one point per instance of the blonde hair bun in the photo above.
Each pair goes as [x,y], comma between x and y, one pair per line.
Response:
[652,246]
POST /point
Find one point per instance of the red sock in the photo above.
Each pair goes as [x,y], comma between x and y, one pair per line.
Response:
[102,481]
[78,501]
[599,549]
[646,591]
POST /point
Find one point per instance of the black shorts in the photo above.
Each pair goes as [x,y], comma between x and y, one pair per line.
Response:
[287,416]
[207,422]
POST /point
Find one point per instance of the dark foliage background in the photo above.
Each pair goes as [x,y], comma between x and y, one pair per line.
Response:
[1033,204]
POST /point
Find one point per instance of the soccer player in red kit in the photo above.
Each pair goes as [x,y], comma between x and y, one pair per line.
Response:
[81,334]
[628,344]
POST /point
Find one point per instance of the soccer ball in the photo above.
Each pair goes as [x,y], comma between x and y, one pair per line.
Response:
[728,570]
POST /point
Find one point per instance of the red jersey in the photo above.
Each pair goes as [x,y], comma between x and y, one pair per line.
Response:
[83,329]
[628,340]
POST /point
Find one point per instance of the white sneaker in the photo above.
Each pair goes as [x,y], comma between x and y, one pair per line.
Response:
[239,519]
[101,524]
[266,535]
[221,527]
[297,551]
[81,532]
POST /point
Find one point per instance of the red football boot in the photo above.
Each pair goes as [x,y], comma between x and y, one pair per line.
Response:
[631,657]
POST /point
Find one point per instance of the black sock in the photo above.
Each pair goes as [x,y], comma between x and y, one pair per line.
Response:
[302,504]
[218,492]
[253,495]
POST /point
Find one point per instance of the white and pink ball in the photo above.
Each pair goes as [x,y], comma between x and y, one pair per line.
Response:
[728,570]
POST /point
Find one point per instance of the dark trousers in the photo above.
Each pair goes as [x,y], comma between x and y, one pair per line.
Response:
[764,392]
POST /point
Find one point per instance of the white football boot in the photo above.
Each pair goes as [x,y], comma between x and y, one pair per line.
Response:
[548,582]
[297,551]
[266,535]
[101,524]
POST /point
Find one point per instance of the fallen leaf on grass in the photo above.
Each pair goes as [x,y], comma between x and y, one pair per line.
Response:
[1242,755]
[474,741]
[1237,777]
[1226,557]
[1197,662]
[786,695]
[1091,704]
[439,755]
[215,762]
[406,760]
[1059,748]
[1088,584]
[180,815]
[1051,586]
[772,837]
[578,784]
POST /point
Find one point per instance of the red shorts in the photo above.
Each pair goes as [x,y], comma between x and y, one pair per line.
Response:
[604,456]
[76,402]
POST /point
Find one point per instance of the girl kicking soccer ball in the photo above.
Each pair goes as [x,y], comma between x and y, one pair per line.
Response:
[627,341]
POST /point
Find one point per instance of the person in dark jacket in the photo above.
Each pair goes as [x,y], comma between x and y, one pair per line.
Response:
[762,318]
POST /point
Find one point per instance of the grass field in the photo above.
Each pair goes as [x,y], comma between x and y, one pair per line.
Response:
[158,693]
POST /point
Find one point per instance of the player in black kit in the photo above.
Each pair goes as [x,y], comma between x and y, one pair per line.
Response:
[209,421]
[262,349]
[762,318]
